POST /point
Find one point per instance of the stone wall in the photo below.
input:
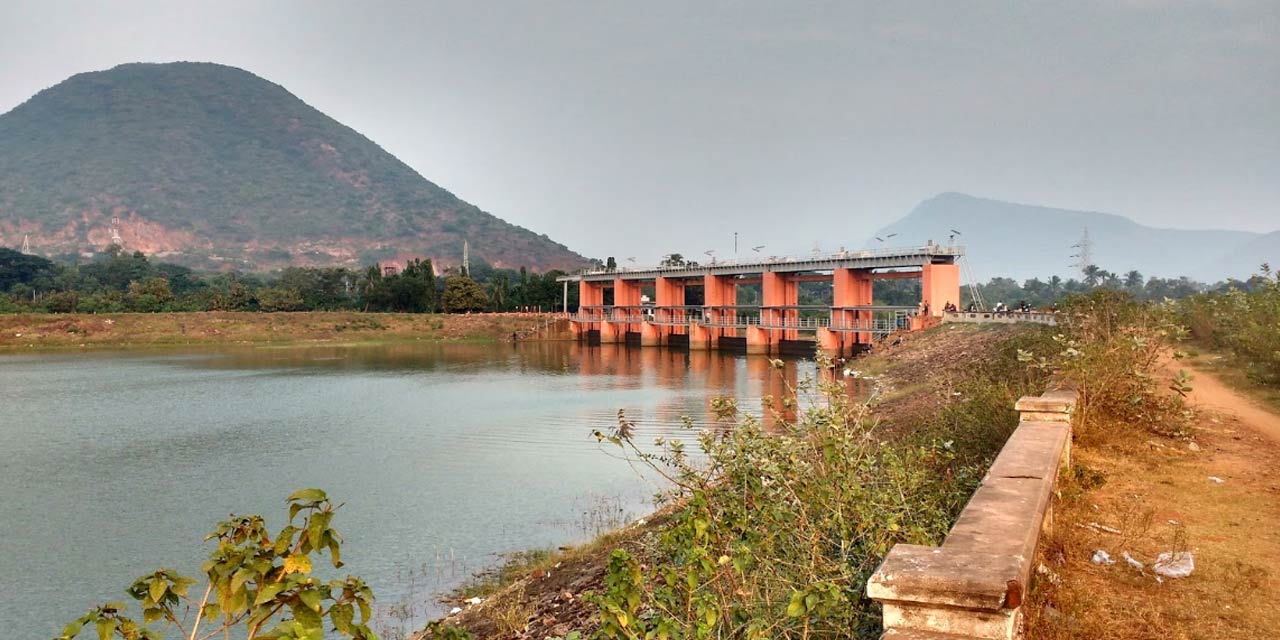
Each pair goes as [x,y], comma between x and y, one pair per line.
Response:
[973,586]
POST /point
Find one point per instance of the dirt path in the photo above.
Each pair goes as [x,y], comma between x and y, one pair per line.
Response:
[1210,393]
[1217,495]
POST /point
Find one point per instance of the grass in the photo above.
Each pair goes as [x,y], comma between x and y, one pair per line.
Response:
[36,332]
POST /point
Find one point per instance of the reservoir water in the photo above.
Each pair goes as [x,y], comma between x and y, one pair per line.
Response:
[445,455]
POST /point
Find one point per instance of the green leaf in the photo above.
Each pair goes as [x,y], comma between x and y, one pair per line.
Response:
[106,626]
[181,584]
[212,611]
[307,617]
[341,616]
[158,587]
[307,495]
[73,629]
[311,598]
[268,592]
[796,608]
[333,551]
[297,563]
[241,576]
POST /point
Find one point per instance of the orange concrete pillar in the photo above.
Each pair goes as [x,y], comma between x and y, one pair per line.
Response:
[611,332]
[668,298]
[699,337]
[590,294]
[830,341]
[939,284]
[626,293]
[851,288]
[779,290]
[650,335]
[720,291]
[758,340]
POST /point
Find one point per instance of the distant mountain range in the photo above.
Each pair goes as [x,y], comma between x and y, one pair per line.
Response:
[214,167]
[1024,241]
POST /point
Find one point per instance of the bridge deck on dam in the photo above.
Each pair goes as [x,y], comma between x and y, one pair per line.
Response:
[894,258]
[614,306]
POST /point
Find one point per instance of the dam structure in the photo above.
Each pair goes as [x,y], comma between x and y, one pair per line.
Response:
[611,305]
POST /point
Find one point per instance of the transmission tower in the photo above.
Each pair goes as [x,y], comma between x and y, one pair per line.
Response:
[1084,252]
[115,232]
[26,243]
[466,259]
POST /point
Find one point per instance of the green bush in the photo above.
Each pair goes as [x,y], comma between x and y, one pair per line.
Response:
[1110,351]
[778,529]
[1244,320]
[256,584]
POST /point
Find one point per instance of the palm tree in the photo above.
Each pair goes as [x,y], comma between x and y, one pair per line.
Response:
[1133,280]
[1092,275]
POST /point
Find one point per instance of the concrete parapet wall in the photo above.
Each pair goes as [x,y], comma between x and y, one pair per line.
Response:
[1004,317]
[973,586]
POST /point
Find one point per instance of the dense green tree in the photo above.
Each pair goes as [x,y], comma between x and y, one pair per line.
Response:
[462,294]
[21,268]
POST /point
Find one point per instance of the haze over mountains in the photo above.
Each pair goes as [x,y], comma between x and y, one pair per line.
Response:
[214,167]
[1024,241]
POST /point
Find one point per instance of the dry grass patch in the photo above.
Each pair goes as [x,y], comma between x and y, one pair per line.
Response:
[1159,496]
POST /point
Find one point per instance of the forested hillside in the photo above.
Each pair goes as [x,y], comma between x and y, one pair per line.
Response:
[214,167]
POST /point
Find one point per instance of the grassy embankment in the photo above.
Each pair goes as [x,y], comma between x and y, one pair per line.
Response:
[767,542]
[29,332]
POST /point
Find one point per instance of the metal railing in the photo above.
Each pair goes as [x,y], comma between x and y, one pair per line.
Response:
[928,249]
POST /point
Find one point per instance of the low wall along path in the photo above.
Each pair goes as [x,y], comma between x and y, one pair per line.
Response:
[973,586]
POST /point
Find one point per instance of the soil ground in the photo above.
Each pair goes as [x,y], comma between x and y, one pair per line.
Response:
[33,332]
[1216,495]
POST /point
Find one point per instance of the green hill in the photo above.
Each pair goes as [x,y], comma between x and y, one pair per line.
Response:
[212,166]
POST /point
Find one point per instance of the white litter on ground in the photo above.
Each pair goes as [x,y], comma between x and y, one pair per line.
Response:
[1216,480]
[1102,557]
[1174,565]
[1132,561]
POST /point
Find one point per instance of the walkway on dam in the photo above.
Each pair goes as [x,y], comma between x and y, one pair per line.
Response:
[613,306]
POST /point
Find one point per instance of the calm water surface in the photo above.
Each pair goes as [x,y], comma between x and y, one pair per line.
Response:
[446,456]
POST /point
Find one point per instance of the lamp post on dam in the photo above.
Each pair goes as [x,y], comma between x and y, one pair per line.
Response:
[850,323]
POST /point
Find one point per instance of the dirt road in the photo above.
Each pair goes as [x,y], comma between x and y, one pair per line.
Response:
[1208,392]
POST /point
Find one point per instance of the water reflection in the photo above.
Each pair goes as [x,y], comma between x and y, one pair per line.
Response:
[116,463]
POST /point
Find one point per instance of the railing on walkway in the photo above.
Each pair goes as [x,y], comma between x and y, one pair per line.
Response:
[924,250]
[877,320]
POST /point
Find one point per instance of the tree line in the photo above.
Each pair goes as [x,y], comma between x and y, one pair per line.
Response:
[118,281]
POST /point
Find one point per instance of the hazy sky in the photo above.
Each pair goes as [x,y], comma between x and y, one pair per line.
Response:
[639,128]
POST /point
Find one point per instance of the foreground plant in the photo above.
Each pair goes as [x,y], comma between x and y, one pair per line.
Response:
[256,584]
[777,529]
[1111,349]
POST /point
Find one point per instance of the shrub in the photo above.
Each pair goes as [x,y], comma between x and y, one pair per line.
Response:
[778,531]
[1111,349]
[252,578]
[1244,320]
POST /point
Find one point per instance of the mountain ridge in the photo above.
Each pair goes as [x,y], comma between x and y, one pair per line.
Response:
[1025,241]
[213,166]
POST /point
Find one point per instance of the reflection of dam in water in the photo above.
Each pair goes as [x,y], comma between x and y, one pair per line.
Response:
[478,449]
[753,382]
